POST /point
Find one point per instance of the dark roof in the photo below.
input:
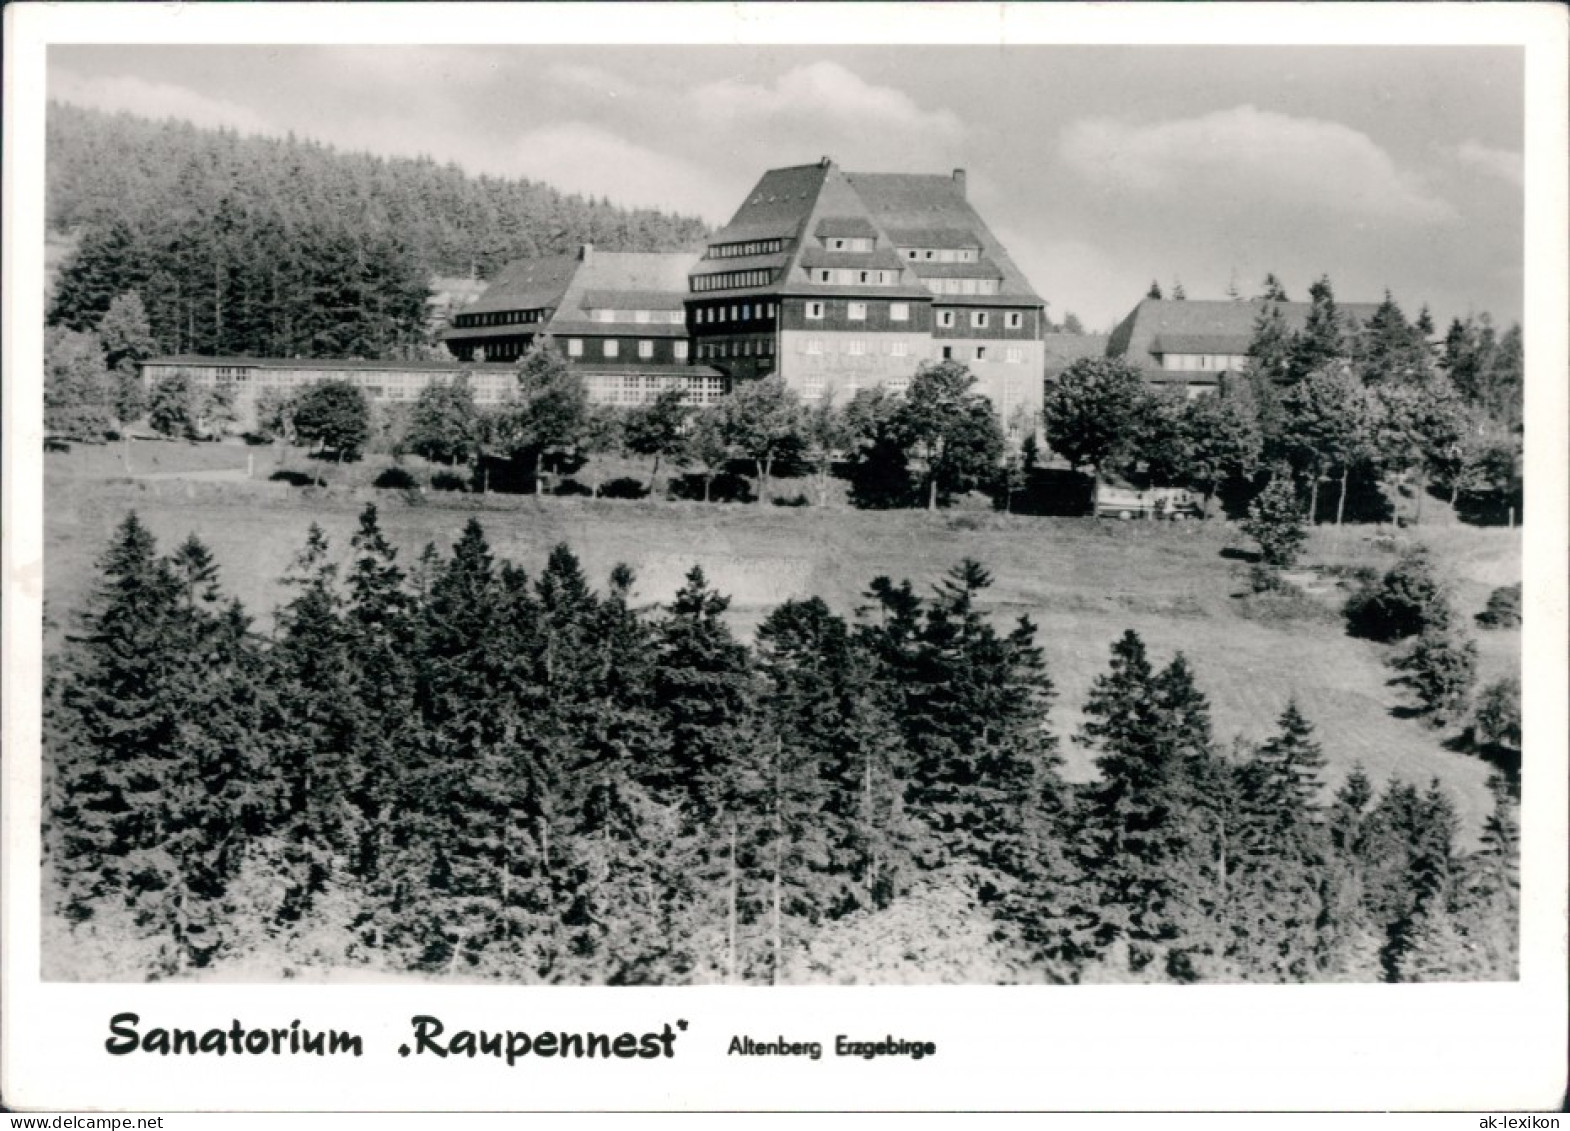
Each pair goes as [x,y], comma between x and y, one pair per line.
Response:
[936,204]
[777,207]
[884,258]
[1223,326]
[1196,343]
[983,268]
[826,201]
[527,284]
[936,238]
[580,328]
[631,300]
[846,226]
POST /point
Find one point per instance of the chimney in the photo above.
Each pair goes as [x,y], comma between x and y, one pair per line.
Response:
[586,252]
[825,161]
[959,181]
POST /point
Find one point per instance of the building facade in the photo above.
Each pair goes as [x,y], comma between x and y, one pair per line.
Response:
[841,281]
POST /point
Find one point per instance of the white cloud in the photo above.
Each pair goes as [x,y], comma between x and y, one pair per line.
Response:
[155,100]
[825,93]
[582,158]
[1505,164]
[1245,156]
[805,112]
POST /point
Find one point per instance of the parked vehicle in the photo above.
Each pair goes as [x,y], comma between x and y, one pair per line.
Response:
[1174,503]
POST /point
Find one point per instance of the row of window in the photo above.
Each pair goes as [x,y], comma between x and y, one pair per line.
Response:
[900,312]
[726,280]
[858,347]
[748,347]
[498,318]
[962,286]
[942,254]
[850,277]
[1214,362]
[981,319]
[857,311]
[636,388]
[854,347]
[736,312]
[662,317]
[750,247]
[812,386]
[850,243]
[611,348]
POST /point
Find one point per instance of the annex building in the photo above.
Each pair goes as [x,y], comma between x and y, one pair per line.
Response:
[1193,343]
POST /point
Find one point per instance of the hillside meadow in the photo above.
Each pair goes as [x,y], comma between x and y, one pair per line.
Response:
[1082,581]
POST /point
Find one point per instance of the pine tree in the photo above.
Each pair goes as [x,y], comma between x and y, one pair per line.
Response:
[157,739]
[1139,839]
[320,765]
[1322,339]
[703,689]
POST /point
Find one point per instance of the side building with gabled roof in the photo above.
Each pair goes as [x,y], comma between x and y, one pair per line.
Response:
[618,317]
[841,281]
[1193,344]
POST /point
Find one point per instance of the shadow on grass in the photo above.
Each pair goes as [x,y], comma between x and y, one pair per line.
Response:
[293,478]
[1505,759]
[1236,554]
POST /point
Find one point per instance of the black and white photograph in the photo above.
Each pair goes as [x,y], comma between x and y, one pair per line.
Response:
[737,514]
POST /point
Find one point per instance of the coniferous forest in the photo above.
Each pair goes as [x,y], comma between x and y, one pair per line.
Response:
[290,248]
[450,767]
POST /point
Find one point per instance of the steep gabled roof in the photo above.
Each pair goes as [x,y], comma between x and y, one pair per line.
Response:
[777,207]
[527,284]
[935,207]
[647,273]
[1215,326]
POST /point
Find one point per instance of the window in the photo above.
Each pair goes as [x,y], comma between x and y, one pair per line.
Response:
[641,316]
[574,347]
[978,319]
[981,353]
[814,345]
[856,347]
[900,349]
[948,353]
[733,314]
[1015,319]
[680,349]
[610,347]
[1013,355]
[814,310]
[645,349]
[899,312]
[837,245]
[946,319]
[746,312]
[825,275]
[857,312]
[604,316]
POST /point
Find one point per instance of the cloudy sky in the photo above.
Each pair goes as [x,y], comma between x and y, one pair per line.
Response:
[1101,168]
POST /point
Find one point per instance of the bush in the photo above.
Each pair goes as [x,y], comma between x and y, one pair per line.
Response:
[395,479]
[1441,667]
[1408,600]
[1275,521]
[1498,714]
[1503,609]
[624,488]
[797,500]
[449,481]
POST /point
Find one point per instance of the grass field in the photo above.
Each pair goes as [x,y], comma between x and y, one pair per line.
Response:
[1082,581]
